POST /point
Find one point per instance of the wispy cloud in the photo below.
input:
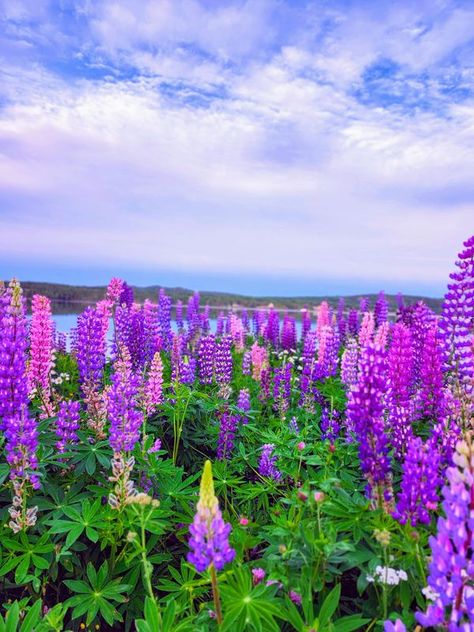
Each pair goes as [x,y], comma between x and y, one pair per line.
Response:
[306,139]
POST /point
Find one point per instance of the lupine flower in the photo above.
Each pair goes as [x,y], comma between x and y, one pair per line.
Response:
[209,541]
[353,322]
[420,483]
[293,425]
[153,391]
[350,363]
[258,575]
[247,363]
[366,331]
[126,295]
[259,320]
[420,319]
[364,305]
[206,358]
[125,417]
[237,331]
[13,343]
[329,424]
[259,356]
[266,464]
[309,350]
[150,330]
[295,597]
[365,411]
[381,335]
[223,360]
[282,388]
[67,424]
[398,626]
[323,317]
[305,322]
[341,320]
[90,348]
[164,319]
[243,404]
[227,430]
[156,447]
[400,378]
[114,290]
[381,310]
[327,352]
[220,324]
[179,315]
[457,319]
[451,576]
[41,349]
[272,329]
[431,397]
[288,333]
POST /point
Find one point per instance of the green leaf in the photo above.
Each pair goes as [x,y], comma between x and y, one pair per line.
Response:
[12,618]
[74,534]
[329,606]
[22,569]
[350,623]
[32,618]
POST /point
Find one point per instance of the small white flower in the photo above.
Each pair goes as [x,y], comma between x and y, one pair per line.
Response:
[429,593]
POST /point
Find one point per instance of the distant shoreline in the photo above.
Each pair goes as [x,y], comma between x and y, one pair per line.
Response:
[72,299]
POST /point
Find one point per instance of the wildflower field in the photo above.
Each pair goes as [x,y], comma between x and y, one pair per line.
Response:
[270,475]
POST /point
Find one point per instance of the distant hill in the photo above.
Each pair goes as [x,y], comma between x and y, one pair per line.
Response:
[69,299]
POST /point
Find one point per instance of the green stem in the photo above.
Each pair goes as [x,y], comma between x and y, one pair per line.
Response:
[215,594]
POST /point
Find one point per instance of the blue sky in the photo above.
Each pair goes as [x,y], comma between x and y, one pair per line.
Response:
[264,146]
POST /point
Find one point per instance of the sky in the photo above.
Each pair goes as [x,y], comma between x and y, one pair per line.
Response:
[260,146]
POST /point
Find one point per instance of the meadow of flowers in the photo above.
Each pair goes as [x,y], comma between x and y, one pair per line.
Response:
[157,476]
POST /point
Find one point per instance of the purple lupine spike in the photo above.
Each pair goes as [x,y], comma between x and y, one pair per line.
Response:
[431,394]
[164,319]
[245,320]
[176,353]
[90,347]
[457,320]
[400,381]
[364,305]
[282,388]
[447,431]
[247,363]
[451,570]
[150,330]
[220,324]
[61,342]
[227,328]
[293,425]
[398,626]
[350,363]
[67,424]
[272,330]
[223,360]
[329,423]
[209,541]
[365,416]
[327,353]
[308,360]
[243,404]
[400,301]
[206,358]
[227,430]
[341,319]
[381,309]
[267,461]
[305,322]
[420,484]
[122,407]
[13,344]
[187,371]
[126,295]
[353,322]
[288,334]
[114,290]
[265,384]
[179,315]
[420,319]
[205,323]
[259,321]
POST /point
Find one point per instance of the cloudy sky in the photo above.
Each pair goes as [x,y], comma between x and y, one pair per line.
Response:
[260,146]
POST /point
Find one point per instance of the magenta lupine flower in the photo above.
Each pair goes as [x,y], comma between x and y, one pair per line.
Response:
[243,404]
[227,430]
[223,361]
[295,597]
[247,363]
[381,309]
[381,335]
[209,541]
[258,575]
[153,391]
[366,330]
[327,353]
[164,319]
[176,353]
[350,363]
[237,331]
[126,295]
[67,424]
[323,317]
[267,461]
[122,408]
[400,379]
[420,484]
[288,333]
[114,290]
[431,398]
[90,347]
[41,347]
[365,416]
[13,344]
[420,319]
[457,319]
[451,576]
[259,357]
[282,388]
[364,305]
[206,355]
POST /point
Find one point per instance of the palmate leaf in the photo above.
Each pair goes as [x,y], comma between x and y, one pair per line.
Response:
[90,521]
